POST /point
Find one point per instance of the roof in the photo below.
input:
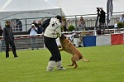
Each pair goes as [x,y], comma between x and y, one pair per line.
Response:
[69,7]
[24,5]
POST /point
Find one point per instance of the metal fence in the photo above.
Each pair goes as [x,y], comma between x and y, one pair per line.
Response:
[24,42]
[21,25]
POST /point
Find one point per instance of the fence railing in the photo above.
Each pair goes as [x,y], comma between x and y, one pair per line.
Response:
[20,25]
[24,41]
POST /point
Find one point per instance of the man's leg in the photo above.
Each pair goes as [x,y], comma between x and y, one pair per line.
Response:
[55,59]
[35,43]
[7,49]
[13,49]
[32,43]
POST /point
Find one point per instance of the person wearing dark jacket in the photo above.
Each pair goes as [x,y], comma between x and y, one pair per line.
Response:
[39,27]
[1,31]
[102,16]
[9,39]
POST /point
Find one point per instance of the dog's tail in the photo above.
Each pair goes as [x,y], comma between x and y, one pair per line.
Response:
[85,60]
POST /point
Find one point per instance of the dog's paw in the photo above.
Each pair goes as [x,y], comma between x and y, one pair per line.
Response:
[75,67]
[85,60]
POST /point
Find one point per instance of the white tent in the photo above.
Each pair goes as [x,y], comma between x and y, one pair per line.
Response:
[24,5]
[28,9]
[22,9]
[69,7]
[10,9]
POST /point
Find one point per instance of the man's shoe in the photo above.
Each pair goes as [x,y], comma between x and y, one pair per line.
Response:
[51,65]
[59,66]
[15,56]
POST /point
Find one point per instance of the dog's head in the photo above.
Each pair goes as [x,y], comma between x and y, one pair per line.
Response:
[63,37]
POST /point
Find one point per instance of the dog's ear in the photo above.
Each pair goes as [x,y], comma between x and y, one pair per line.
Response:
[63,36]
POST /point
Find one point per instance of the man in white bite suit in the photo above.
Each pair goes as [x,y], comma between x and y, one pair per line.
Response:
[51,33]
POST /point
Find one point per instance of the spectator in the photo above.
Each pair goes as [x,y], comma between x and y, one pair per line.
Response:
[1,31]
[0,45]
[81,24]
[82,20]
[33,34]
[122,18]
[101,16]
[34,22]
[52,31]
[39,27]
[9,39]
[116,24]
[64,25]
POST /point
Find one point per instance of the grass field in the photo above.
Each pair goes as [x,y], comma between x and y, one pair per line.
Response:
[106,65]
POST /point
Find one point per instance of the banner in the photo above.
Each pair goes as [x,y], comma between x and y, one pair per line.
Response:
[109,10]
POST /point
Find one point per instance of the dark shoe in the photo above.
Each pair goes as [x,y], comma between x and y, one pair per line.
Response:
[15,56]
[7,57]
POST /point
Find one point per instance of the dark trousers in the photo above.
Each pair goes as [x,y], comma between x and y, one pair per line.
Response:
[51,45]
[12,44]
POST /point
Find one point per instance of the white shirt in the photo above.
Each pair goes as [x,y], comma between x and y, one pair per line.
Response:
[33,32]
[53,30]
[115,25]
[121,19]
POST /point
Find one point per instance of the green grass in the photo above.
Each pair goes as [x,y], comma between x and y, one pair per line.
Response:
[106,65]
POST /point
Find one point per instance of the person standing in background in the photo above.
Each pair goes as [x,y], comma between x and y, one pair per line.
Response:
[122,18]
[81,24]
[39,27]
[1,31]
[33,31]
[116,24]
[35,23]
[9,39]
[101,16]
[64,25]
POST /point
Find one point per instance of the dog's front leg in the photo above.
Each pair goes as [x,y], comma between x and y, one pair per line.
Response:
[61,49]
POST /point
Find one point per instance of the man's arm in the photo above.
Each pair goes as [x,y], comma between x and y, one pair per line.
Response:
[45,24]
[4,33]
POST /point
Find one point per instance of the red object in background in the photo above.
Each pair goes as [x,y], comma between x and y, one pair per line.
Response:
[116,39]
[123,38]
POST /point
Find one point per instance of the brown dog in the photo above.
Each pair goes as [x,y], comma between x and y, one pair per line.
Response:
[70,48]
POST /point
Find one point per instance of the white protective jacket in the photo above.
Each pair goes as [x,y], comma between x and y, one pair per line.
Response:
[54,29]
